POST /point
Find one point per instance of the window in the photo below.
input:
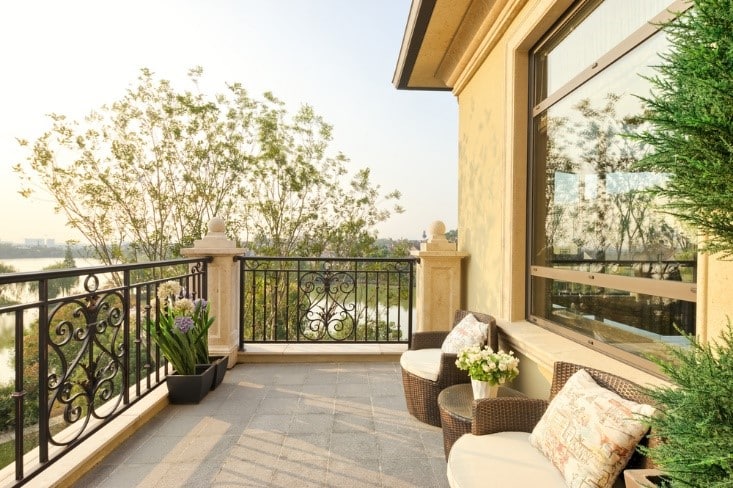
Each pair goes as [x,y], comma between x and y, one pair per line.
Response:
[607,266]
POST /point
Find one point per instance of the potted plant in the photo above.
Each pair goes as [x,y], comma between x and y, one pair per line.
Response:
[692,436]
[488,369]
[181,333]
[690,136]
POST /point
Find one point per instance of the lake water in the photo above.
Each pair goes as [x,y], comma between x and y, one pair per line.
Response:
[7,321]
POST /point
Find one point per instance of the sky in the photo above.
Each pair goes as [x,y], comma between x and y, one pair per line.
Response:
[336,55]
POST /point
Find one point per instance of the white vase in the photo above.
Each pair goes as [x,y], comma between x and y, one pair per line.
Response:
[483,389]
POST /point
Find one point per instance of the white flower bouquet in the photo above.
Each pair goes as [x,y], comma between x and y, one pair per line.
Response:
[483,364]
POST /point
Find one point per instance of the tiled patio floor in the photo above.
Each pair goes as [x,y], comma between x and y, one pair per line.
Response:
[285,425]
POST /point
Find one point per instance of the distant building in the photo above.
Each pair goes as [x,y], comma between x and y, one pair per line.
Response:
[40,242]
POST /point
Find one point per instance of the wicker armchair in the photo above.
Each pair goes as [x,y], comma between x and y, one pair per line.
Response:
[516,414]
[421,394]
[505,417]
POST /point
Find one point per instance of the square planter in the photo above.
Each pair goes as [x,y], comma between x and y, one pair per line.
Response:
[183,389]
[220,368]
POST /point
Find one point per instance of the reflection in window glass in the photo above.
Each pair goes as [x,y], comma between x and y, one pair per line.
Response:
[595,205]
[593,218]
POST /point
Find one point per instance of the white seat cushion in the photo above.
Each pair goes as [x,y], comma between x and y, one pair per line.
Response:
[504,459]
[424,363]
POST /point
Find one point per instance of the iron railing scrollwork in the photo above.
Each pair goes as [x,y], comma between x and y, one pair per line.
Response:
[365,300]
[81,358]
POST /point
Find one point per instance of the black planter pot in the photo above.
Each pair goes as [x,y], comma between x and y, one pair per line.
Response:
[220,368]
[192,388]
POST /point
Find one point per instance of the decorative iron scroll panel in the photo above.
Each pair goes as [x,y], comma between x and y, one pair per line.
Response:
[81,352]
[326,299]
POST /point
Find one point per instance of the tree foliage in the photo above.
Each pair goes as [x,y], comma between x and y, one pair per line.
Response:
[140,178]
[691,115]
[695,425]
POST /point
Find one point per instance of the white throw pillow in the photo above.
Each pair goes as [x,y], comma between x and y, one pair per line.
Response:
[468,332]
[589,433]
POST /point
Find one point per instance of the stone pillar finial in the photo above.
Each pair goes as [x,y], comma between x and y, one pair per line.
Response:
[217,226]
[436,239]
[216,237]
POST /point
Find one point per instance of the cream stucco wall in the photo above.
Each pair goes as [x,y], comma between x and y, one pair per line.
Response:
[482,186]
[492,97]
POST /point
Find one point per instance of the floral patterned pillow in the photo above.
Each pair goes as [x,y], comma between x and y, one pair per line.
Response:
[589,433]
[467,332]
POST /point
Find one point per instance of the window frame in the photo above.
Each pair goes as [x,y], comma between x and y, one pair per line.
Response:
[685,291]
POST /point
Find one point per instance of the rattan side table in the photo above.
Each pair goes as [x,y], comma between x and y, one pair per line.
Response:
[456,404]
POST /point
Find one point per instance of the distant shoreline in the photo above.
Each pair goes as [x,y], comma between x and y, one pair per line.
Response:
[19,251]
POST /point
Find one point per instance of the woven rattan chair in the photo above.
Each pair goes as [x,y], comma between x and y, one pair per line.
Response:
[499,449]
[421,394]
[507,414]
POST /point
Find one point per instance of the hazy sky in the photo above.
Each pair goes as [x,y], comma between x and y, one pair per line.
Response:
[337,55]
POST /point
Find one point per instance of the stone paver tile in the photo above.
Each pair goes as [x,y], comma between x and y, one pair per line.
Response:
[391,445]
[439,471]
[387,390]
[398,428]
[351,446]
[319,390]
[353,378]
[342,474]
[247,473]
[270,422]
[353,390]
[355,405]
[278,406]
[305,448]
[283,391]
[346,422]
[154,450]
[407,473]
[311,423]
[316,404]
[433,443]
[258,442]
[138,475]
[291,474]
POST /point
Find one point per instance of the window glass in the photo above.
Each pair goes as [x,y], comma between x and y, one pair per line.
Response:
[608,25]
[606,262]
[594,204]
[634,322]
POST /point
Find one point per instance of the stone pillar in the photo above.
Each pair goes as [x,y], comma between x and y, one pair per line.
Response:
[223,288]
[438,281]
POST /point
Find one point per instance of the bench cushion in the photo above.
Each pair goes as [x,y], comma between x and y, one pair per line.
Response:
[504,459]
[424,363]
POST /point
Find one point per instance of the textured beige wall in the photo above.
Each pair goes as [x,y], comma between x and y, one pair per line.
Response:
[715,296]
[482,185]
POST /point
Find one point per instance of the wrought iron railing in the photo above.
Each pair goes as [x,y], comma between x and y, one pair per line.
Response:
[81,355]
[359,300]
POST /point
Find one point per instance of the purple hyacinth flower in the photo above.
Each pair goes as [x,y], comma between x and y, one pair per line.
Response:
[184,324]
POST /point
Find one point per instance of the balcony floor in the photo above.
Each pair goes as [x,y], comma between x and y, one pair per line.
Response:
[338,424]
